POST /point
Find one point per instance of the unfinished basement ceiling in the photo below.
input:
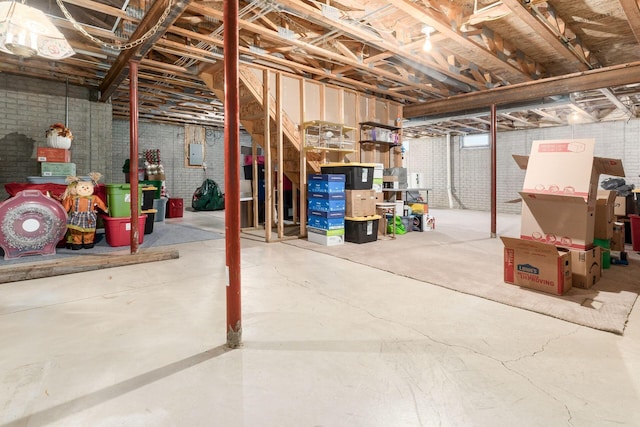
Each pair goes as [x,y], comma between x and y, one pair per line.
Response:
[372,46]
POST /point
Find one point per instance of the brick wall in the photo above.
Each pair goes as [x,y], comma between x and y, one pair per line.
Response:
[181,180]
[471,168]
[28,106]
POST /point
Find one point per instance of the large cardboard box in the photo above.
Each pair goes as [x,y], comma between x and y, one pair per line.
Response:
[536,265]
[604,215]
[360,203]
[586,267]
[560,220]
[560,191]
[567,167]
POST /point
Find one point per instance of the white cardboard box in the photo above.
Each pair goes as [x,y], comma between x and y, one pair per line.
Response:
[560,191]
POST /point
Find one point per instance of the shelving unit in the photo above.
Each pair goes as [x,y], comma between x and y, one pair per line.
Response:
[324,136]
[377,142]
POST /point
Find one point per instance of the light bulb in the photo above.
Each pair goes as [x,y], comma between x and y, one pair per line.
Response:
[427,44]
[427,30]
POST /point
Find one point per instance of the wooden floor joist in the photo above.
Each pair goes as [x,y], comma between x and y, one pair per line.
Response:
[38,270]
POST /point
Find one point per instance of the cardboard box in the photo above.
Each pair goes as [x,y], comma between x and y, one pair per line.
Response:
[378,169]
[560,191]
[360,203]
[566,167]
[586,267]
[377,185]
[623,206]
[156,177]
[326,183]
[57,169]
[618,237]
[390,182]
[604,215]
[559,220]
[48,154]
[320,237]
[536,265]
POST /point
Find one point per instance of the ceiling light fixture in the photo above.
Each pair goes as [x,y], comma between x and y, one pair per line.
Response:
[427,46]
[26,32]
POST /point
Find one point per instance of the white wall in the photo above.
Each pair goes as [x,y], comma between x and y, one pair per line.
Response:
[471,168]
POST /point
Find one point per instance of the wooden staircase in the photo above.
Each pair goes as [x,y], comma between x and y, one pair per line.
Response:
[252,119]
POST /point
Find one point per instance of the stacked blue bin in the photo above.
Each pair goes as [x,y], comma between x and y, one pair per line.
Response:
[326,208]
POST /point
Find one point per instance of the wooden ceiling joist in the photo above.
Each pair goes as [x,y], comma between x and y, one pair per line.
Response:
[120,69]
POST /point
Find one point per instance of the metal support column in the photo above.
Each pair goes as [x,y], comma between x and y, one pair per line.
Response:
[232,171]
[494,126]
[133,155]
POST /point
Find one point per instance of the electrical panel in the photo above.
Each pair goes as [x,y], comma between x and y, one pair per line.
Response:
[196,154]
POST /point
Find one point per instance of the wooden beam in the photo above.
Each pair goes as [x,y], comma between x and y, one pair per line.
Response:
[617,75]
[120,68]
[630,8]
[571,62]
[414,9]
[16,273]
[367,37]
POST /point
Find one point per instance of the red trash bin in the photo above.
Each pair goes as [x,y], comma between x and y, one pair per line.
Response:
[635,232]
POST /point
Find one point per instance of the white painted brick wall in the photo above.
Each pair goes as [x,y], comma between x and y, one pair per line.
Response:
[29,106]
[471,168]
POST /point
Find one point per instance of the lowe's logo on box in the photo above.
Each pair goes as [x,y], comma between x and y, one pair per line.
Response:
[528,268]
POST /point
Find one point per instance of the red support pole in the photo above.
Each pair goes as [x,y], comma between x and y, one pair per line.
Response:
[232,171]
[133,154]
[494,181]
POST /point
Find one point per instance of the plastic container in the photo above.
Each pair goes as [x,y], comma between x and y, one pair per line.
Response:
[160,205]
[117,231]
[148,194]
[358,176]
[175,208]
[361,229]
[156,184]
[119,199]
[148,223]
[407,221]
[635,231]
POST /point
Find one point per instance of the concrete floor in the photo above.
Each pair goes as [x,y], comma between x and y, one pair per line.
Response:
[326,343]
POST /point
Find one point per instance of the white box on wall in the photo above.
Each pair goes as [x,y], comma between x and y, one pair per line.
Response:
[416,180]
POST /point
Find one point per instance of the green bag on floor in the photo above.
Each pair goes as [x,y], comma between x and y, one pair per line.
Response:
[400,228]
[208,197]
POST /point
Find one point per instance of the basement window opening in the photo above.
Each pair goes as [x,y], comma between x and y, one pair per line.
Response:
[479,140]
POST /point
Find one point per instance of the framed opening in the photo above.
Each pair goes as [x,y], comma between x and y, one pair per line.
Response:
[478,140]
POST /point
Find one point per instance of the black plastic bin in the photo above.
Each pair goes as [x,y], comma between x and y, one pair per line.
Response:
[151,217]
[358,176]
[361,229]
